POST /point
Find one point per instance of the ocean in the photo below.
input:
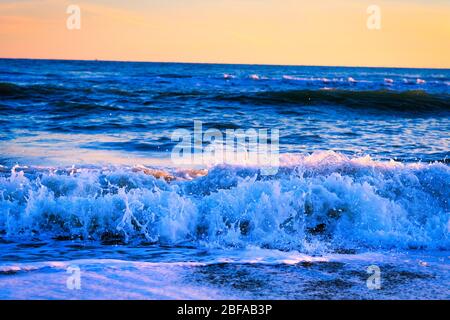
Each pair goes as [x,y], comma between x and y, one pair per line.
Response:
[92,205]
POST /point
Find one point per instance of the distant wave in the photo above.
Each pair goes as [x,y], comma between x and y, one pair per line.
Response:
[410,101]
[321,201]
[381,100]
[16,91]
[10,90]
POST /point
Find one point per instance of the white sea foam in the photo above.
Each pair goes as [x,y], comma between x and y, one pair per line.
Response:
[228,76]
[324,200]
[420,81]
[287,77]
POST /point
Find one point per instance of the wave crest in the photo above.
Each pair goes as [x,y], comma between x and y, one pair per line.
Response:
[406,101]
[317,202]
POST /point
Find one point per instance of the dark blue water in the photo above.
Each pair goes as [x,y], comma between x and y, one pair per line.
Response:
[86,181]
[58,110]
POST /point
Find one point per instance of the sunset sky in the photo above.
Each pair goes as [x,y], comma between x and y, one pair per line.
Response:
[414,33]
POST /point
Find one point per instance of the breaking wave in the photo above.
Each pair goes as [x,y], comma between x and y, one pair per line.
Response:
[323,201]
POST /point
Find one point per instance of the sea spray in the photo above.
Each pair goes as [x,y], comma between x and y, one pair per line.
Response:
[318,202]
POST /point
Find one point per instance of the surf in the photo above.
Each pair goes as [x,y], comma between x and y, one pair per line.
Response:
[316,203]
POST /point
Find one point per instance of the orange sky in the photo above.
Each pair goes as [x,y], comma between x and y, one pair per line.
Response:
[413,33]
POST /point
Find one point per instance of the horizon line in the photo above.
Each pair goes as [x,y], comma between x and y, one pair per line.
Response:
[226,63]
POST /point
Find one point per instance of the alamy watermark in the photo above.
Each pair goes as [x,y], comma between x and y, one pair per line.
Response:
[73,281]
[258,147]
[374,280]
[73,21]
[374,19]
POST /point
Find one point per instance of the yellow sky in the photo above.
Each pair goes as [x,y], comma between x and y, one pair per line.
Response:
[413,33]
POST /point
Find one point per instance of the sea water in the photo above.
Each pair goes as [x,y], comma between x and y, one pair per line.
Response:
[363,183]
